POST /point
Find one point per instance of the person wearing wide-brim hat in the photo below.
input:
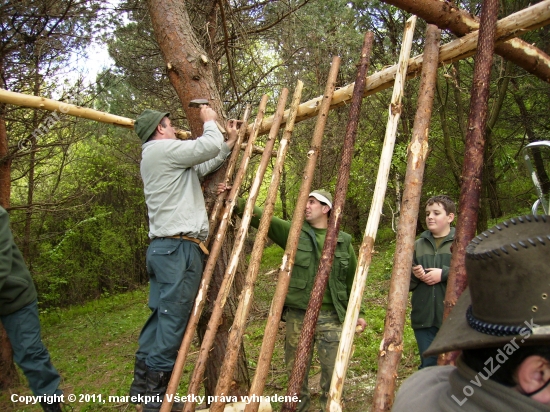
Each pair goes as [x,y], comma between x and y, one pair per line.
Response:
[501,323]
[178,225]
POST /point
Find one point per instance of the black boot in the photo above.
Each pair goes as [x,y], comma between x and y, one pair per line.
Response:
[51,407]
[138,385]
[156,383]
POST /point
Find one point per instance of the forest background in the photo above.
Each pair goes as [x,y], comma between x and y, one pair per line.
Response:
[75,193]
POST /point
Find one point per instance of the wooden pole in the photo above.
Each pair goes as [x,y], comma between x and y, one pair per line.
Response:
[216,209]
[354,304]
[470,189]
[392,343]
[514,25]
[37,102]
[229,276]
[200,300]
[365,252]
[305,343]
[509,27]
[447,16]
[270,334]
[245,301]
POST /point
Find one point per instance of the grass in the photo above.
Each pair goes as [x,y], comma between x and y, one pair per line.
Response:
[93,345]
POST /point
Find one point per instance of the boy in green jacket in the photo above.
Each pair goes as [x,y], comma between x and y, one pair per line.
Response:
[19,316]
[432,258]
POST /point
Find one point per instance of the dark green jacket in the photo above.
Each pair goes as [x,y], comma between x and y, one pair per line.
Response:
[306,263]
[427,301]
[16,286]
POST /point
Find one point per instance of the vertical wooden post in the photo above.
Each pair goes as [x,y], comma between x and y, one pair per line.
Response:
[229,276]
[307,333]
[200,300]
[216,209]
[245,303]
[392,343]
[365,252]
[470,189]
[285,270]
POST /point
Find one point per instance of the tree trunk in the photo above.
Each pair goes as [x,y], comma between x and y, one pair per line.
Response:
[470,190]
[8,373]
[446,16]
[191,73]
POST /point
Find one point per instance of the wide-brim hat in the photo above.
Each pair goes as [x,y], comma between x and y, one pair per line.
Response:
[147,122]
[508,294]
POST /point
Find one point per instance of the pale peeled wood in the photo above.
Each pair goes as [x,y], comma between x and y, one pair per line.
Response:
[200,299]
[509,27]
[365,254]
[231,269]
[285,270]
[391,347]
[24,100]
[246,298]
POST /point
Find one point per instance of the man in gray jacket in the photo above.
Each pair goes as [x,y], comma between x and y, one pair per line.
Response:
[178,225]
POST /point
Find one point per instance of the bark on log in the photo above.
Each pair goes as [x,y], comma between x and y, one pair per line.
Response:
[470,190]
[448,17]
[245,303]
[285,271]
[518,23]
[327,254]
[392,343]
[225,287]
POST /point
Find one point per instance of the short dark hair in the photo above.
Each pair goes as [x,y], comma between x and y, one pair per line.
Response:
[163,123]
[444,201]
[329,208]
[478,360]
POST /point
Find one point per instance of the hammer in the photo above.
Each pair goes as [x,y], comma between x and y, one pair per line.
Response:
[199,102]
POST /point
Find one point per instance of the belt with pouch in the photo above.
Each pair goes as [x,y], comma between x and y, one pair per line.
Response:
[191,239]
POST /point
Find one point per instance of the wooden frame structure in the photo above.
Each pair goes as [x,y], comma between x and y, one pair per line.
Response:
[528,19]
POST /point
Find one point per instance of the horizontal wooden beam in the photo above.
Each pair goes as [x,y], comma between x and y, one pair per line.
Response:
[37,102]
[508,28]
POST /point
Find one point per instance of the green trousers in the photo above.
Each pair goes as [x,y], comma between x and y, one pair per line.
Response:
[175,271]
[327,339]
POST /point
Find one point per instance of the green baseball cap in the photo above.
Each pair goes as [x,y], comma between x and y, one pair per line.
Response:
[147,122]
[322,196]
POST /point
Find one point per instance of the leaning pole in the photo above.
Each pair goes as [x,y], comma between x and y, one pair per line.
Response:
[470,189]
[391,347]
[285,270]
[305,343]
